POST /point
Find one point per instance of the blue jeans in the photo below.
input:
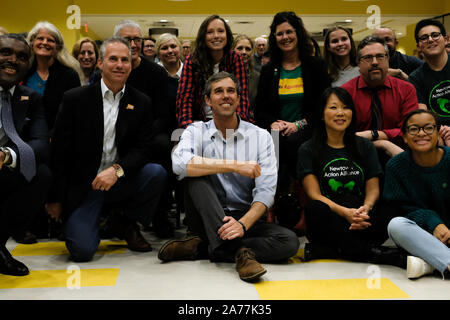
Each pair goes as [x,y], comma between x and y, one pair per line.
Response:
[420,243]
[140,195]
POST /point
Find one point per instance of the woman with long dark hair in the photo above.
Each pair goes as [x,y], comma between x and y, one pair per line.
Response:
[340,174]
[340,55]
[288,91]
[211,55]
[417,181]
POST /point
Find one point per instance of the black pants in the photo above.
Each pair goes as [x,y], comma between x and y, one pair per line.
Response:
[288,146]
[327,229]
[269,242]
[21,200]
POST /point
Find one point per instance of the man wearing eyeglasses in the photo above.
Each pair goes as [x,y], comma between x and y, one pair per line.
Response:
[400,65]
[432,79]
[381,101]
[152,79]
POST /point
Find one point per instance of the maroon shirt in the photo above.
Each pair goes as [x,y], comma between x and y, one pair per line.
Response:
[398,98]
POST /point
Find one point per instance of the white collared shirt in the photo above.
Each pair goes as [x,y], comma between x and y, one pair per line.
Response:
[110,113]
[178,74]
[247,143]
[3,138]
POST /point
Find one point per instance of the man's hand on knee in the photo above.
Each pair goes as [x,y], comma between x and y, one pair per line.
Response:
[232,229]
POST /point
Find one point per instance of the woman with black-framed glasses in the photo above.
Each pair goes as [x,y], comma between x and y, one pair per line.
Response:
[418,181]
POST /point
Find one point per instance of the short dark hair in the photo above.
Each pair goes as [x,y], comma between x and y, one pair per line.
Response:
[420,111]
[217,77]
[428,22]
[370,40]
[15,36]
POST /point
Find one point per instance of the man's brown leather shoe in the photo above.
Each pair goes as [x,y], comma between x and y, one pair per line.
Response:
[186,249]
[246,265]
[135,239]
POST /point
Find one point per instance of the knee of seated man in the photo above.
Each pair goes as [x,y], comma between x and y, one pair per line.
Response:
[80,252]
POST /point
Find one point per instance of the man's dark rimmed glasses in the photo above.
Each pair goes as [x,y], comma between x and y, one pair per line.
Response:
[136,40]
[433,35]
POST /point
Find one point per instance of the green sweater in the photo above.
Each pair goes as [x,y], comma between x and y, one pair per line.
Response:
[422,193]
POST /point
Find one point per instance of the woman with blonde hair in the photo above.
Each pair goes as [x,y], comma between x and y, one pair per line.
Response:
[54,70]
[85,50]
[245,46]
[168,51]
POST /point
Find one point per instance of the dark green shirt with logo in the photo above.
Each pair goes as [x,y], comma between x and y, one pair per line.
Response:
[433,89]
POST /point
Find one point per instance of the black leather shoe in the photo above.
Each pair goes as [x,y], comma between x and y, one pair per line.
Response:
[315,251]
[10,266]
[388,255]
[25,237]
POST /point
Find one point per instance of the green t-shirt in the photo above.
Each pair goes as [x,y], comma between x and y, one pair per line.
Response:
[290,90]
[433,89]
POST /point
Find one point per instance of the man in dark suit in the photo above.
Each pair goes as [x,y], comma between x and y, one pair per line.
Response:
[24,179]
[152,79]
[100,156]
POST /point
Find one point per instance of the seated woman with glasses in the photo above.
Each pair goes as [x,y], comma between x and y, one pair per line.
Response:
[212,54]
[340,174]
[417,181]
[340,55]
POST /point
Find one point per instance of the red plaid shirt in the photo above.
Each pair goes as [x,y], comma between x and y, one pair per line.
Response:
[189,95]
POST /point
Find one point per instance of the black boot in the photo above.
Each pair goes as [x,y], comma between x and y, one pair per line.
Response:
[314,251]
[387,255]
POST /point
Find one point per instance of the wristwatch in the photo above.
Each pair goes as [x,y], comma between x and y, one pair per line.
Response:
[7,153]
[375,135]
[119,170]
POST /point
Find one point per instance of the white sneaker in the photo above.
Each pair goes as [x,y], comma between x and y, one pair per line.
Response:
[416,267]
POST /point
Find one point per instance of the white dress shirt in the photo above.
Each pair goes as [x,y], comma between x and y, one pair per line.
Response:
[110,113]
[247,143]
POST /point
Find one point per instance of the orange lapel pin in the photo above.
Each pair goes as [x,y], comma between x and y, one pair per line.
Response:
[130,107]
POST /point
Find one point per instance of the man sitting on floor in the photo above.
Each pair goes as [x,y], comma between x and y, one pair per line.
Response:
[230,172]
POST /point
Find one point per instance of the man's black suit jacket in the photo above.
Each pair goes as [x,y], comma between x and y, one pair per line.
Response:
[29,121]
[77,143]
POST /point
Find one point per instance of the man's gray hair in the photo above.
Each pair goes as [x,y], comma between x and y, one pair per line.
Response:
[220,76]
[260,38]
[126,23]
[113,40]
[370,40]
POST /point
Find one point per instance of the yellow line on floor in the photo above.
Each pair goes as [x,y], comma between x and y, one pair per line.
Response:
[59,248]
[334,289]
[73,278]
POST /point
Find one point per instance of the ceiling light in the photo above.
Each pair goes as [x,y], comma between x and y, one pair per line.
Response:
[348,20]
